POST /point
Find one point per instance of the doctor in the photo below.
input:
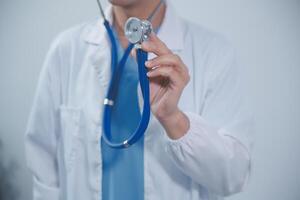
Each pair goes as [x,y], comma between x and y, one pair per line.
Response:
[198,141]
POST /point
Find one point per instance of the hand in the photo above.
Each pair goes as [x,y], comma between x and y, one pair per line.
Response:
[168,76]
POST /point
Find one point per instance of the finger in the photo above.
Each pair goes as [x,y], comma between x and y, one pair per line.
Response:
[168,59]
[166,71]
[155,45]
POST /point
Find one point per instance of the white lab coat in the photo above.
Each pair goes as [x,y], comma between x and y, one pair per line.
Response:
[62,140]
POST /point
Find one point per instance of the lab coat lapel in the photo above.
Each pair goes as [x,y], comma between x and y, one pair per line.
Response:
[98,58]
[100,52]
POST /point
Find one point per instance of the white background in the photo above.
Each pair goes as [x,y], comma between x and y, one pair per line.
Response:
[264,32]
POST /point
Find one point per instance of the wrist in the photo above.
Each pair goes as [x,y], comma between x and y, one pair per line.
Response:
[176,124]
[170,117]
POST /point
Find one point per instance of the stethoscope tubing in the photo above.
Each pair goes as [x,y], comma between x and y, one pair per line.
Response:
[143,124]
[117,69]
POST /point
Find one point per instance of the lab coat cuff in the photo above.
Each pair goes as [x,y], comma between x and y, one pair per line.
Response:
[195,121]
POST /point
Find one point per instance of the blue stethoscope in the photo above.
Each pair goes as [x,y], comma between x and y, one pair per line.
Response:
[136,31]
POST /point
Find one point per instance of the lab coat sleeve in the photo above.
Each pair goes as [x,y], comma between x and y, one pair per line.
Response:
[42,131]
[215,151]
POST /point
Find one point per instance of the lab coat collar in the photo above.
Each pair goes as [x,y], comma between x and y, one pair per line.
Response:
[170,32]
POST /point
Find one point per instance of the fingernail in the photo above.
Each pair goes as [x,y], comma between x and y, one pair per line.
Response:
[148,73]
[147,63]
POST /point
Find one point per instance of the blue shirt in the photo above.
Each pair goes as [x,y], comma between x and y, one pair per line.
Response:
[123,169]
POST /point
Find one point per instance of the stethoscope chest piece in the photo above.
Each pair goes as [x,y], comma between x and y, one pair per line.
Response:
[137,30]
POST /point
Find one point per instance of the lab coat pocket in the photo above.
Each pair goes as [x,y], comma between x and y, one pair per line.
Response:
[70,134]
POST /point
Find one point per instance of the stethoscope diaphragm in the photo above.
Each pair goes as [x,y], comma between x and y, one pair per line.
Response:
[137,30]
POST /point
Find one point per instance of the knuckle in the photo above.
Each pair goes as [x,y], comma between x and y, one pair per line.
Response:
[154,47]
[169,70]
[164,73]
[177,57]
